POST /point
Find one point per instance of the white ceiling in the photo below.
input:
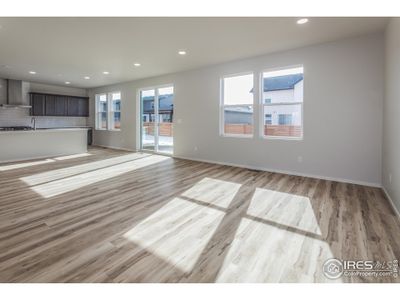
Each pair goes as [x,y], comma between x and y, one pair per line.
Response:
[67,49]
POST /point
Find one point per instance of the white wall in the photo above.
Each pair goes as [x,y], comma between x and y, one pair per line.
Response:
[391,113]
[343,96]
[21,117]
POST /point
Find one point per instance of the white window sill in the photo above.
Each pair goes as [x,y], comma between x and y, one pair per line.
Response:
[246,136]
[103,129]
[284,138]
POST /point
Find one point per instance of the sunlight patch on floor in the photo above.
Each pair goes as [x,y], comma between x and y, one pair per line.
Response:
[21,165]
[265,253]
[278,234]
[178,232]
[58,187]
[79,169]
[213,191]
[73,156]
[285,209]
[25,164]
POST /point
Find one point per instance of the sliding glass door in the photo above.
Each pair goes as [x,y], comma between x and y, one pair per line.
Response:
[157,110]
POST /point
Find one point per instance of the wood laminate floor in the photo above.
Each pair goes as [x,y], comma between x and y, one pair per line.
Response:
[114,216]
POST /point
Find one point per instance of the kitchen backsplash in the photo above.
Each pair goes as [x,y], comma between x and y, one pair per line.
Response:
[21,117]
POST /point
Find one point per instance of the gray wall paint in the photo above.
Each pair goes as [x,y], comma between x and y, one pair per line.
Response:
[342,113]
[20,117]
[391,113]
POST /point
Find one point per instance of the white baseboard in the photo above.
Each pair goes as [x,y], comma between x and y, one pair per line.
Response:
[391,202]
[115,148]
[371,184]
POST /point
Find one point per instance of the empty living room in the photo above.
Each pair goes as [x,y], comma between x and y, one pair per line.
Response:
[212,148]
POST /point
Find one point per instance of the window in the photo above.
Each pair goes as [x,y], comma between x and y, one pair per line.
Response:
[268,119]
[285,119]
[101,111]
[115,101]
[108,111]
[237,105]
[282,103]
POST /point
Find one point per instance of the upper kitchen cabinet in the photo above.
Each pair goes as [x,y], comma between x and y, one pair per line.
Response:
[78,107]
[83,107]
[38,105]
[55,105]
[59,105]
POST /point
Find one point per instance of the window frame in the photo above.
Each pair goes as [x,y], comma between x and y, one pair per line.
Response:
[222,107]
[98,112]
[110,121]
[261,106]
[109,112]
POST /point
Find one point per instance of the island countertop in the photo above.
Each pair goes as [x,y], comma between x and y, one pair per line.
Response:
[42,143]
[39,130]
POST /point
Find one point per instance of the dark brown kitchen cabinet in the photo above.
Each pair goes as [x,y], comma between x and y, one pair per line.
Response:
[73,107]
[50,105]
[83,107]
[59,105]
[38,105]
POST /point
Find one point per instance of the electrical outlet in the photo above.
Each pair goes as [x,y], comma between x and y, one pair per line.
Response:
[300,159]
[390,178]
[195,148]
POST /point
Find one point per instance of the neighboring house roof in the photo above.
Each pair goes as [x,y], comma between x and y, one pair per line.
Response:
[166,103]
[286,82]
[278,83]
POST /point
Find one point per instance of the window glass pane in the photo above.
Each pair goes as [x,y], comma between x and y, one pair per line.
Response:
[238,90]
[283,120]
[101,111]
[238,119]
[280,88]
[117,120]
[102,103]
[283,86]
[116,101]
[148,117]
[102,123]
[165,119]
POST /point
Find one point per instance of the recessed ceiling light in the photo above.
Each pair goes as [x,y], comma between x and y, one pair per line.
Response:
[182,52]
[86,77]
[32,72]
[67,82]
[136,64]
[106,72]
[302,21]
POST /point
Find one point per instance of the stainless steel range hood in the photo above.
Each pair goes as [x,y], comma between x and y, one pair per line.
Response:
[17,94]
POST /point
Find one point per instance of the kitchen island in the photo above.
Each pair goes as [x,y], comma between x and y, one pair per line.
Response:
[41,143]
